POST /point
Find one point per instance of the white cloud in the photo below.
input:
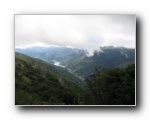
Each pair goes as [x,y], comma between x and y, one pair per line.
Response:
[79,31]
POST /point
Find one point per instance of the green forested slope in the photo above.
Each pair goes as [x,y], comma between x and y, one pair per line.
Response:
[38,83]
[115,86]
[108,58]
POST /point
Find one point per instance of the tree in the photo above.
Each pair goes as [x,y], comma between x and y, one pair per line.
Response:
[95,84]
[114,86]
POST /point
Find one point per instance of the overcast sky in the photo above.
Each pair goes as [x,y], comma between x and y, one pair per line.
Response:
[79,31]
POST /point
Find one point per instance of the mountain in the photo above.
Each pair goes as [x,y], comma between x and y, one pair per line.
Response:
[108,57]
[77,62]
[52,53]
[124,65]
[39,83]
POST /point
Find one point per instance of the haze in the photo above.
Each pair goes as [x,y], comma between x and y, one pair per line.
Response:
[87,32]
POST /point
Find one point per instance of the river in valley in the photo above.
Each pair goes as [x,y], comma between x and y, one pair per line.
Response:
[57,63]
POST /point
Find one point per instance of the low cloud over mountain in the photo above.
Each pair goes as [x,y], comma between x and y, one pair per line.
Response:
[87,32]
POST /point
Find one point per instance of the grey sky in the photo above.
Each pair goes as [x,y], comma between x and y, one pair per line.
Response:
[80,31]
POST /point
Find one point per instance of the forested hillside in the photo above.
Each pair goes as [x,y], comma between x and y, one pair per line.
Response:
[115,86]
[39,83]
[108,57]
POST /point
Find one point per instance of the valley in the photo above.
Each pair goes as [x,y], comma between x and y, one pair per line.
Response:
[58,63]
[67,76]
[77,62]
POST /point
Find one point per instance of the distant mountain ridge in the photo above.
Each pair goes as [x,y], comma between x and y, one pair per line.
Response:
[77,62]
[49,54]
[109,57]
